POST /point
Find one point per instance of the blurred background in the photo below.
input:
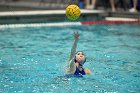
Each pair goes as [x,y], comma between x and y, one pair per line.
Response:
[113,5]
[39,10]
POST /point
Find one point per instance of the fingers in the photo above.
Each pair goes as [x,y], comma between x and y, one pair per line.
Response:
[76,33]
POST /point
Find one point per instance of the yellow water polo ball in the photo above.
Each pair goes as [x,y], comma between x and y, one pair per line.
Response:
[73,12]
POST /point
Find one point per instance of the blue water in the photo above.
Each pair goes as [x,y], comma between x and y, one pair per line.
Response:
[32,59]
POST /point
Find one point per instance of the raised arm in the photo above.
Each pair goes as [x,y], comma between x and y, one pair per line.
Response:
[70,65]
[73,49]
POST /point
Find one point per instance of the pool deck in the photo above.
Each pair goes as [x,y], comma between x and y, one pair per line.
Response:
[9,17]
[45,12]
[40,13]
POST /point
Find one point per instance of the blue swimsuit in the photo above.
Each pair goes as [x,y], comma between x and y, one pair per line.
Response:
[79,73]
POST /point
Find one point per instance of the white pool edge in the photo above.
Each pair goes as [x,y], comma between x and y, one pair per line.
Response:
[60,24]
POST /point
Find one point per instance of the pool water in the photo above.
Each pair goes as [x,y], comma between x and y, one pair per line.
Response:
[33,59]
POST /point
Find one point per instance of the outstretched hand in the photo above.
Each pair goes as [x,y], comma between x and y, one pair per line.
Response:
[76,35]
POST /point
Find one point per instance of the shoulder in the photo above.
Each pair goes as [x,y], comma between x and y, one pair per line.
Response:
[87,71]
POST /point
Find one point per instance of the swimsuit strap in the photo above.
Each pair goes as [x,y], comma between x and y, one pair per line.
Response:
[78,72]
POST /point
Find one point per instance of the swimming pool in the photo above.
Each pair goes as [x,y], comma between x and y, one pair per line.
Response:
[32,59]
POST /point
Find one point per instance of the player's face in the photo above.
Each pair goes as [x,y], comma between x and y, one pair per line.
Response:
[80,57]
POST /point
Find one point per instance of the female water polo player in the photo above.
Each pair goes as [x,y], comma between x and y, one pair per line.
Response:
[77,60]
